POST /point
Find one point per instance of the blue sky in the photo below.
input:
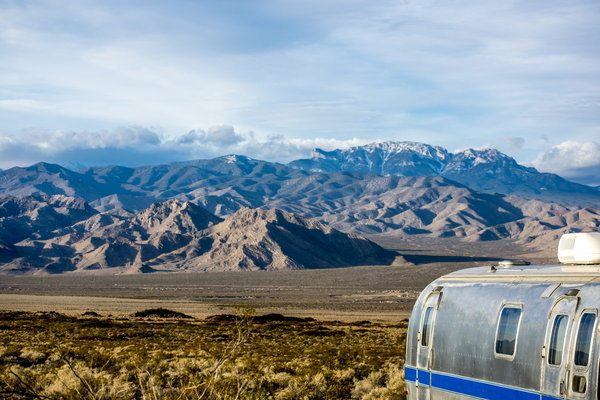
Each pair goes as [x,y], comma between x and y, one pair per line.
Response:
[109,82]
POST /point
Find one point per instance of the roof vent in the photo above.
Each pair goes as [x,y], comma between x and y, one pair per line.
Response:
[512,263]
[579,248]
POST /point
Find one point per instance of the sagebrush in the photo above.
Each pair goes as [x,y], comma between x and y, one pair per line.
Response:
[52,356]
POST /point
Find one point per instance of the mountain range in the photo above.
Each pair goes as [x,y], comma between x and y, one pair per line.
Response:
[188,214]
[172,235]
[486,170]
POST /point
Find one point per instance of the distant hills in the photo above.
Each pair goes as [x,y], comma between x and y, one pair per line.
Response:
[193,214]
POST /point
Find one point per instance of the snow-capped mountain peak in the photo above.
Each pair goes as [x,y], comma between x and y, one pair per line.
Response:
[237,159]
[471,158]
[391,147]
[381,158]
[485,169]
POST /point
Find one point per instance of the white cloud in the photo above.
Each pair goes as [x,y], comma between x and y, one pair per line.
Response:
[132,146]
[284,149]
[220,135]
[457,74]
[578,161]
[59,141]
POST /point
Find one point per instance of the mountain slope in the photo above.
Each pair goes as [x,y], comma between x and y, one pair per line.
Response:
[274,240]
[542,224]
[176,236]
[430,205]
[37,216]
[485,170]
[387,158]
[50,179]
[492,171]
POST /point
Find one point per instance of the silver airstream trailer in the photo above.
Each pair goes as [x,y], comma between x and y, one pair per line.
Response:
[510,331]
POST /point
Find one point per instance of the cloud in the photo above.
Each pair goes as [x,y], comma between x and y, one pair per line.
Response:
[135,145]
[578,161]
[57,141]
[85,147]
[284,149]
[457,74]
[220,135]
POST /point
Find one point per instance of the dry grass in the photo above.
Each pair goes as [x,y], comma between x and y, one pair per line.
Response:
[53,356]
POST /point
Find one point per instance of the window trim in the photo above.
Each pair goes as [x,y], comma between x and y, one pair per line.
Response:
[423,325]
[499,316]
[565,340]
[581,368]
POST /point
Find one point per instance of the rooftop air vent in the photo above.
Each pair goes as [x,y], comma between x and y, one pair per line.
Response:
[579,248]
[512,263]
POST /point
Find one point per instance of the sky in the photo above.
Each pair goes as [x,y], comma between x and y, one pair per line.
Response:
[141,82]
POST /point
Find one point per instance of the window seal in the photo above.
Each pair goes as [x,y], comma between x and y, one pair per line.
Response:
[565,340]
[581,369]
[423,325]
[506,356]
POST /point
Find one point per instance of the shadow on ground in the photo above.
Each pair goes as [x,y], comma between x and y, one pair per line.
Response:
[429,259]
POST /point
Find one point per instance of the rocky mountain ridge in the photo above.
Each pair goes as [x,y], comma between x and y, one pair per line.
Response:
[155,216]
[37,216]
[180,236]
[487,170]
[115,187]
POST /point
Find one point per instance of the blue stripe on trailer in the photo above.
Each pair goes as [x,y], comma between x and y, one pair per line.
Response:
[410,374]
[471,387]
[424,377]
[481,389]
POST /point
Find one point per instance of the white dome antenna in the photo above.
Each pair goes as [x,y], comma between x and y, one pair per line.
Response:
[579,248]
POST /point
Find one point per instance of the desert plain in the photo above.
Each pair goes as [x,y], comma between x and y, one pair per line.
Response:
[300,334]
[379,293]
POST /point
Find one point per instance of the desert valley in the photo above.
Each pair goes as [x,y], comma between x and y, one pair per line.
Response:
[299,200]
[227,253]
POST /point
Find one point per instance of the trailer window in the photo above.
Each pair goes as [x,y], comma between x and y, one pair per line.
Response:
[584,339]
[508,327]
[426,330]
[557,339]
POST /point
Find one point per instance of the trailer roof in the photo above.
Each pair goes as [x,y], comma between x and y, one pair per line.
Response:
[527,273]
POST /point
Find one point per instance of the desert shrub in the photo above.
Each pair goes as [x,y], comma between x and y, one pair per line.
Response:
[90,314]
[387,384]
[33,355]
[160,313]
[258,319]
[223,358]
[78,381]
[279,318]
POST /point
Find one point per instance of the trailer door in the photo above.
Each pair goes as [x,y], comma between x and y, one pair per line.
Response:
[580,363]
[426,348]
[557,352]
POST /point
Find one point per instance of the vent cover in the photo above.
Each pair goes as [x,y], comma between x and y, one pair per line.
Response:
[579,248]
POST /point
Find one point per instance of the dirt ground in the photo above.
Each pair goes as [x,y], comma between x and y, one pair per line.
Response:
[373,293]
[376,293]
